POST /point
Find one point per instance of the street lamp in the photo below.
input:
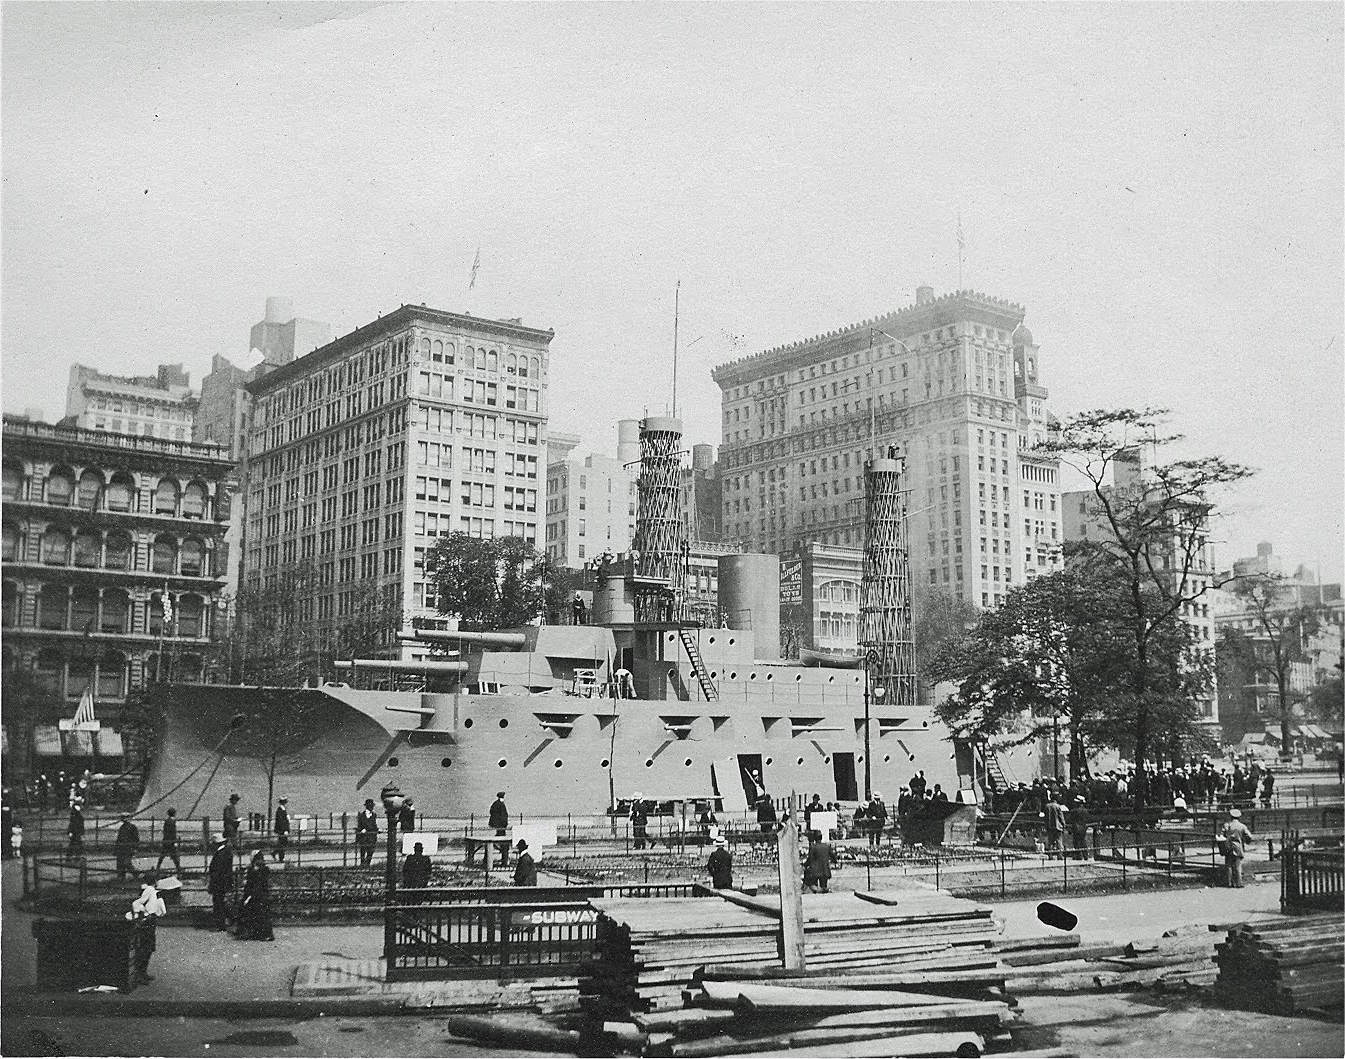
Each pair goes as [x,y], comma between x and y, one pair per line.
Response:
[392,805]
[876,694]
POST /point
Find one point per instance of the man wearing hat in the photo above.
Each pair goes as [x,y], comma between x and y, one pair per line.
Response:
[720,865]
[639,821]
[525,868]
[499,820]
[1078,826]
[282,829]
[221,881]
[231,821]
[366,832]
[1234,841]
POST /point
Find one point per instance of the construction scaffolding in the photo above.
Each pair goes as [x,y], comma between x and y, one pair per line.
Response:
[885,590]
[661,548]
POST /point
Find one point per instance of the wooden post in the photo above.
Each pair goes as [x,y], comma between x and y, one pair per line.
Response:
[791,890]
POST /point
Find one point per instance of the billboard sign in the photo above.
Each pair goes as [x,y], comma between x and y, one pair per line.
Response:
[791,582]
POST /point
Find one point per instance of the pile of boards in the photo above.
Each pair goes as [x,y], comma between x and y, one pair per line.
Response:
[702,977]
[1283,967]
[1181,959]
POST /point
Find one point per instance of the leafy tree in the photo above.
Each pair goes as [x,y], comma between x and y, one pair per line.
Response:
[491,584]
[1058,648]
[1148,529]
[1326,703]
[27,702]
[938,619]
[1276,641]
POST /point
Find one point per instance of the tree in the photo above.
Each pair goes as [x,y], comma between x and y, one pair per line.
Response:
[1326,703]
[280,725]
[1280,627]
[27,702]
[938,619]
[1148,528]
[490,584]
[1058,650]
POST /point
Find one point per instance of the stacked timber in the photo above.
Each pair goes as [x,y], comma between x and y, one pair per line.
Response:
[1064,964]
[1284,967]
[702,977]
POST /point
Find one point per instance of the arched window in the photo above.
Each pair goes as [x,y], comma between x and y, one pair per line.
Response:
[84,610]
[90,490]
[193,558]
[60,487]
[121,493]
[480,359]
[116,611]
[87,548]
[50,669]
[193,500]
[118,551]
[112,676]
[437,351]
[190,615]
[13,481]
[56,546]
[536,366]
[79,675]
[53,604]
[165,555]
[13,543]
[522,367]
[492,361]
[165,497]
[511,364]
[448,352]
[9,612]
[190,669]
[156,625]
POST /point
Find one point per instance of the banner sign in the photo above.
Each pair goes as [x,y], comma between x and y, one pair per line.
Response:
[546,917]
[791,582]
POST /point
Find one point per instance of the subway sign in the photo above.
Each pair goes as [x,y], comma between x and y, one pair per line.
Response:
[548,917]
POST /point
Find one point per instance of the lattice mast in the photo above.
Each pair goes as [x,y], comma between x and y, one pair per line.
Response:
[660,540]
[885,591]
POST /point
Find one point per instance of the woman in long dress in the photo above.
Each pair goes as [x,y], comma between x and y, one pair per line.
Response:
[254,918]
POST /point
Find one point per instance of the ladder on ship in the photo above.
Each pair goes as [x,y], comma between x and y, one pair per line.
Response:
[994,770]
[698,665]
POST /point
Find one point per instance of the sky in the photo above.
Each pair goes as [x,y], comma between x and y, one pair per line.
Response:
[1159,185]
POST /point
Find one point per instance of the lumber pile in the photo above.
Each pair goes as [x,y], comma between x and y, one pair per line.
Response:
[1062,964]
[701,977]
[1285,967]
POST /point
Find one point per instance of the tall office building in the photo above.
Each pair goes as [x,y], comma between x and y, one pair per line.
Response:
[281,336]
[151,406]
[955,382]
[590,507]
[363,452]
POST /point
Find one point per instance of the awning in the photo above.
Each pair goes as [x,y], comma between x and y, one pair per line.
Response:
[47,742]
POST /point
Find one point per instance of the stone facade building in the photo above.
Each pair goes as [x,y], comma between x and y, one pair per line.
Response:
[955,382]
[99,529]
[362,453]
[157,406]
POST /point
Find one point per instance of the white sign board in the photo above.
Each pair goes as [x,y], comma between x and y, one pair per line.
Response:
[429,839]
[824,822]
[538,834]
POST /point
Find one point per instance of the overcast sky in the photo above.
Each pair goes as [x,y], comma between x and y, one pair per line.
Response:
[1159,185]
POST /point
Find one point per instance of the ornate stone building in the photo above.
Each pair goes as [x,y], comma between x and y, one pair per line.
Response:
[100,528]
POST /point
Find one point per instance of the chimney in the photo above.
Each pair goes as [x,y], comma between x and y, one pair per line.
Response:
[924,295]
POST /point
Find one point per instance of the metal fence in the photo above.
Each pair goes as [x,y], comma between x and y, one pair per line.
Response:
[499,933]
[1311,879]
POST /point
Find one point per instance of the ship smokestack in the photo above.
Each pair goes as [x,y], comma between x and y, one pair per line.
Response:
[885,590]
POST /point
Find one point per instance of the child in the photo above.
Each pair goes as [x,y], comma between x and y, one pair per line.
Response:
[16,840]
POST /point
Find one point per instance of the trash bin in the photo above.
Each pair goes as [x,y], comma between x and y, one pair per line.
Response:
[73,953]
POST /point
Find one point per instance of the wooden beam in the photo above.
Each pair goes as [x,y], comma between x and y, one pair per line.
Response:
[791,890]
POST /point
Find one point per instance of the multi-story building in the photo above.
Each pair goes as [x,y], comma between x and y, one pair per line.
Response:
[1083,520]
[219,415]
[956,383]
[99,530]
[590,508]
[155,406]
[365,451]
[281,336]
[819,599]
[701,499]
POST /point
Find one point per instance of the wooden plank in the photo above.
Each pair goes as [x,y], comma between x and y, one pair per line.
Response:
[751,996]
[791,895]
[949,1043]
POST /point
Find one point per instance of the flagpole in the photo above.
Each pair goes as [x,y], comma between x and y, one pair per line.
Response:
[961,247]
[677,296]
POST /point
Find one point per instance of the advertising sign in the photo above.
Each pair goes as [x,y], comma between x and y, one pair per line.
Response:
[791,582]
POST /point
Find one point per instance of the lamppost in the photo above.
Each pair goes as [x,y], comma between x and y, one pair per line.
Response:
[876,694]
[392,804]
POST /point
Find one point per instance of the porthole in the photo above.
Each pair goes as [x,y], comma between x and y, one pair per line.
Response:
[712,639]
[798,677]
[831,680]
[910,757]
[733,675]
[467,723]
[558,763]
[714,674]
[856,680]
[770,676]
[752,675]
[800,761]
[770,761]
[887,758]
[687,762]
[502,762]
[925,724]
[649,762]
[826,760]
[671,637]
[860,759]
[732,640]
[445,762]
[604,764]
[393,762]
[504,722]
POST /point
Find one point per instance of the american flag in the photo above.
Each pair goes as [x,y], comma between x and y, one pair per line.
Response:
[475,265]
[84,715]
